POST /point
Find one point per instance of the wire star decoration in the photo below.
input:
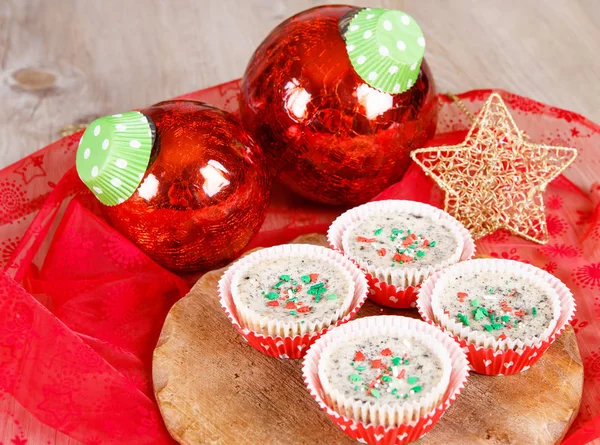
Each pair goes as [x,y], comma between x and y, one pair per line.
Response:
[496,178]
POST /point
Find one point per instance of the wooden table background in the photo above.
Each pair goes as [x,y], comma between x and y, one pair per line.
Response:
[69,61]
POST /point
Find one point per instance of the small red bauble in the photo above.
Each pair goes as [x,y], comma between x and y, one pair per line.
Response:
[204,194]
[328,135]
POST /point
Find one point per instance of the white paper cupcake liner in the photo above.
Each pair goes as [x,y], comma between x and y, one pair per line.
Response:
[401,278]
[294,345]
[487,354]
[383,425]
[396,413]
[289,327]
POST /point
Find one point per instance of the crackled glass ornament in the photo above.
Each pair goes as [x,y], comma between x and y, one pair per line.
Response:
[338,96]
[181,179]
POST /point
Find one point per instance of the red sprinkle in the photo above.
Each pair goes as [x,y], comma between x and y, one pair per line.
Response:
[382,251]
[447,312]
[304,309]
[359,357]
[273,303]
[502,337]
[520,313]
[425,243]
[402,257]
[376,364]
[290,305]
[386,352]
[372,384]
[362,239]
[313,277]
[461,296]
[298,288]
[401,374]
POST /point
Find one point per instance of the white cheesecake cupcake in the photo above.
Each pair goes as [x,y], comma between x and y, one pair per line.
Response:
[385,375]
[504,311]
[291,291]
[399,244]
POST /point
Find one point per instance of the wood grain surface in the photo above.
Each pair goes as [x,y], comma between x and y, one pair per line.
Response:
[69,61]
[213,388]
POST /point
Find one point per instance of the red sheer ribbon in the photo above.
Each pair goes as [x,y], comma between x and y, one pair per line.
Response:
[81,307]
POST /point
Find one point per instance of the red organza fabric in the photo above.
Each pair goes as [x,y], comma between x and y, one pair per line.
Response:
[81,307]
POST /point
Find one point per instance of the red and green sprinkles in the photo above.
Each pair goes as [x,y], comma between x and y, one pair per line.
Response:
[283,293]
[507,319]
[391,368]
[412,247]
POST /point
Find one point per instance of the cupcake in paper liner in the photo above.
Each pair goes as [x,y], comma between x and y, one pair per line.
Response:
[282,298]
[385,379]
[505,313]
[399,244]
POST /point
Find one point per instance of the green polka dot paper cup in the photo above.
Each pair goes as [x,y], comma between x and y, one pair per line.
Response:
[502,355]
[113,155]
[386,48]
[387,424]
[279,332]
[397,287]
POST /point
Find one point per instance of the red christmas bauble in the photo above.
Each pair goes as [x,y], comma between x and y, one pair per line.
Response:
[327,134]
[204,194]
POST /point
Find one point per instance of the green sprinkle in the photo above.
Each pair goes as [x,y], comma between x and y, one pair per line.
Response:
[416,389]
[505,318]
[432,244]
[491,290]
[378,231]
[356,388]
[406,361]
[292,300]
[386,378]
[361,367]
[375,393]
[534,311]
[488,327]
[278,284]
[478,314]
[406,396]
[302,322]
[355,378]
[497,326]
[393,237]
[294,282]
[293,313]
[293,291]
[397,231]
[396,361]
[420,253]
[492,318]
[516,321]
[394,391]
[475,302]
[484,310]
[352,364]
[272,296]
[463,319]
[317,298]
[331,297]
[285,277]
[305,279]
[412,380]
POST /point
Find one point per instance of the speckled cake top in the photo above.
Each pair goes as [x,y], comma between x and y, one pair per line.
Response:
[501,304]
[400,241]
[294,287]
[381,369]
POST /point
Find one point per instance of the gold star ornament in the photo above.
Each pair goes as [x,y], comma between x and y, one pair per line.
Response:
[495,179]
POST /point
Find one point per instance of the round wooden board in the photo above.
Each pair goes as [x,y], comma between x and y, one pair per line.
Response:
[213,388]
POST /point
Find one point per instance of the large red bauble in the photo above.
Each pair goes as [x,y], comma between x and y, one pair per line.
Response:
[204,194]
[327,134]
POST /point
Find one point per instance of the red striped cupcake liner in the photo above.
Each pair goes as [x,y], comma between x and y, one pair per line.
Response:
[397,434]
[289,347]
[496,360]
[389,295]
[382,290]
